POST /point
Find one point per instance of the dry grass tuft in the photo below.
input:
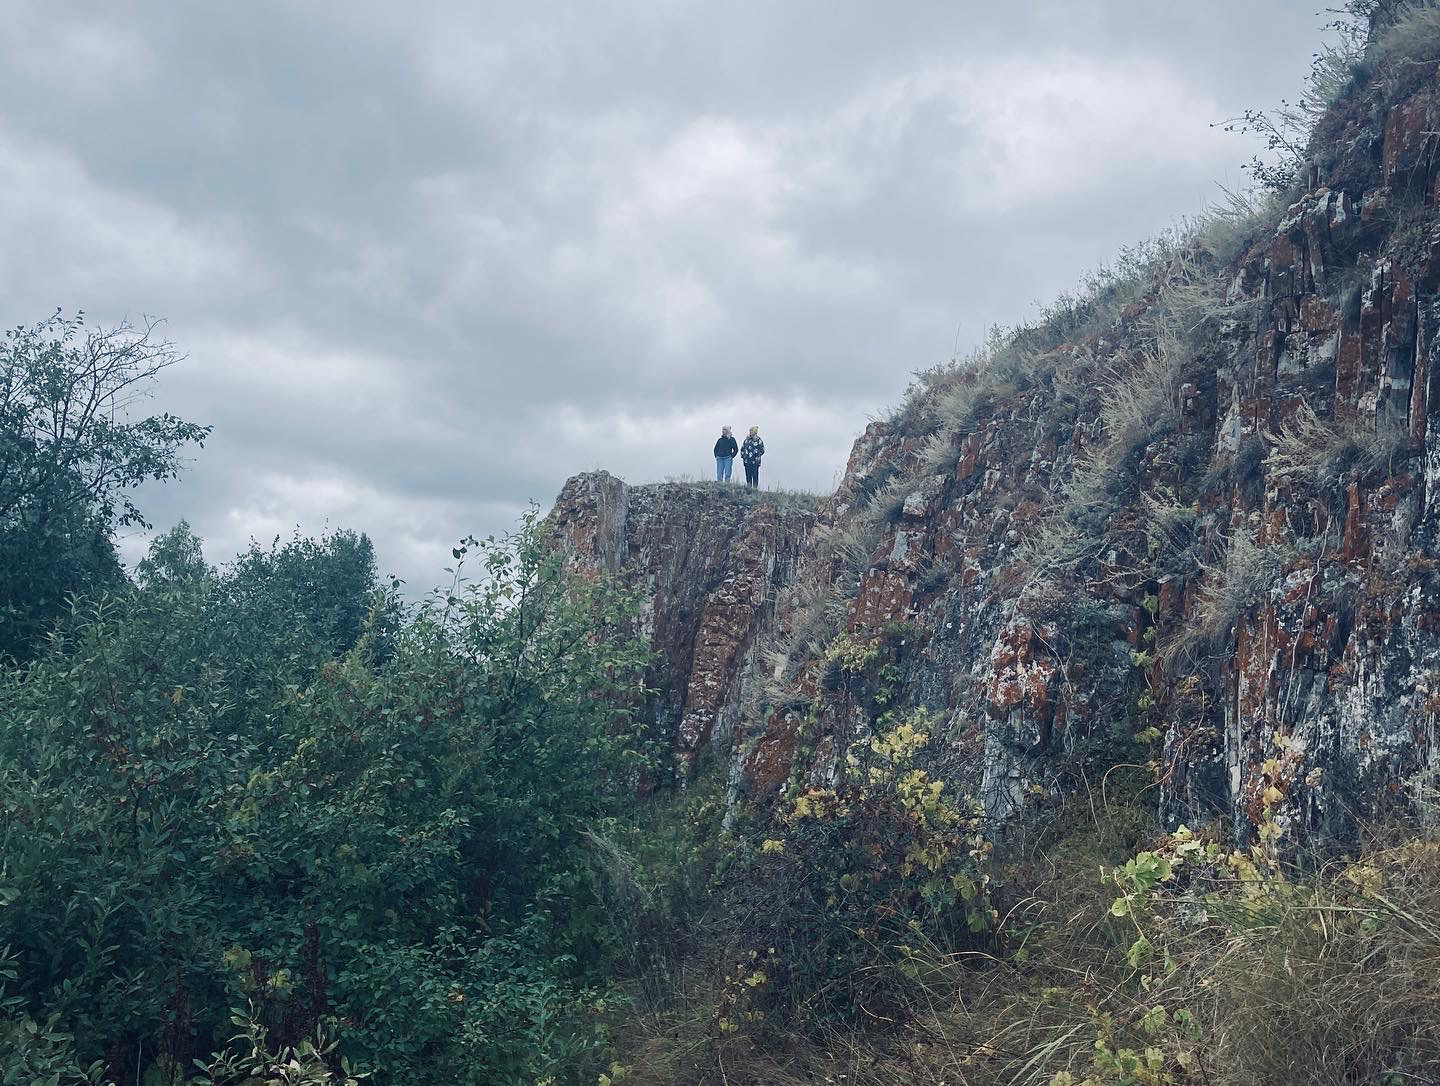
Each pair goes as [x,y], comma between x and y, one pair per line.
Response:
[1229,588]
[1315,994]
[1236,221]
[1138,404]
[1321,451]
[1413,38]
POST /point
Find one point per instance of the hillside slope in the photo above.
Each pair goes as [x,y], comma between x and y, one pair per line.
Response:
[1188,521]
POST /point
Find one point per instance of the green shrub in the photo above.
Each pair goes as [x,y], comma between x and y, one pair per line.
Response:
[32,1051]
[201,804]
[249,1060]
[854,894]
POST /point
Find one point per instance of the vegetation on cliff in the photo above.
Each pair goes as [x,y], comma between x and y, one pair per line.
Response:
[1126,957]
[1153,560]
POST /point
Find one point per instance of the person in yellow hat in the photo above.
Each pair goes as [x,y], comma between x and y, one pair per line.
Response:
[750,454]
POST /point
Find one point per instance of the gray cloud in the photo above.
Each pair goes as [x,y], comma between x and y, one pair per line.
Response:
[429,259]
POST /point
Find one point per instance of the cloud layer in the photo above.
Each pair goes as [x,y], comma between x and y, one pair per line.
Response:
[429,259]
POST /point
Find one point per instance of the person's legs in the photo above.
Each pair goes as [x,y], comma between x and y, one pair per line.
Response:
[729,467]
[719,469]
[757,475]
[752,474]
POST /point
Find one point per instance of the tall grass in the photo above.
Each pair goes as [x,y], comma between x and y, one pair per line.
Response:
[1313,970]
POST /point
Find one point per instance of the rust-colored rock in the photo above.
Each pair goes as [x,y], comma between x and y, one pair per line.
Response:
[712,560]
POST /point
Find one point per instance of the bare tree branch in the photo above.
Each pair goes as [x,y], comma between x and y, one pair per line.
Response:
[69,431]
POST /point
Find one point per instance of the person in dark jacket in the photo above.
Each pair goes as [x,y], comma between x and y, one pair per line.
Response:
[750,454]
[725,450]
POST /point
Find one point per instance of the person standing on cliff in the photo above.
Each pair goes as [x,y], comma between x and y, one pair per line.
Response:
[725,450]
[750,454]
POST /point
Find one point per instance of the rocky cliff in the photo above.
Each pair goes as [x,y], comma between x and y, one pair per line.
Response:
[710,562]
[1188,521]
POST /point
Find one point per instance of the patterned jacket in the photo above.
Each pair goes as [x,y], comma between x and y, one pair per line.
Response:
[752,450]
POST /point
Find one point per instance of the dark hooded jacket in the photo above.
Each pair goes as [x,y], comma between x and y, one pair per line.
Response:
[726,446]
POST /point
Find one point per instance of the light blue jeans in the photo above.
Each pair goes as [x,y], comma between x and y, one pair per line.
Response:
[723,464]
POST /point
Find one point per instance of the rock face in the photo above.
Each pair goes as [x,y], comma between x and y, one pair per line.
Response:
[1190,522]
[711,561]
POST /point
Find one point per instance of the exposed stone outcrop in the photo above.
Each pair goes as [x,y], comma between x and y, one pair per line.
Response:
[1232,574]
[711,560]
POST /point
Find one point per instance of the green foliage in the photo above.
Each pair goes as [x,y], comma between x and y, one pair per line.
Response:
[657,875]
[71,449]
[263,783]
[249,1060]
[44,562]
[35,1052]
[330,581]
[849,656]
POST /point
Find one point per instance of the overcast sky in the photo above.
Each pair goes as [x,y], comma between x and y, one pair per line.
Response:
[427,259]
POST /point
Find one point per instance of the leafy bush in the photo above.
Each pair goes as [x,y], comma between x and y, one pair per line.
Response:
[853,893]
[43,565]
[249,1060]
[201,803]
[32,1051]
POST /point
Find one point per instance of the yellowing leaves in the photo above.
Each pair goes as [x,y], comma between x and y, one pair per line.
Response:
[812,804]
[1367,878]
[851,656]
[905,740]
[618,1072]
